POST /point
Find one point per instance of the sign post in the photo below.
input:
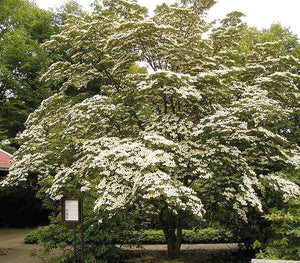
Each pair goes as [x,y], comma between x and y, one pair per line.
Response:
[72,213]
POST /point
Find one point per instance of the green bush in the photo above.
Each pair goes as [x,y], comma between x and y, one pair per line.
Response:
[151,237]
[31,238]
[285,240]
[141,237]
[206,235]
[98,242]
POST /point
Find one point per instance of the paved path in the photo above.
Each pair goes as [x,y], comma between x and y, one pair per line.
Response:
[225,246]
[12,241]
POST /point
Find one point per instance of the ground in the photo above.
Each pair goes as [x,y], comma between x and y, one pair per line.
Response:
[14,250]
[12,241]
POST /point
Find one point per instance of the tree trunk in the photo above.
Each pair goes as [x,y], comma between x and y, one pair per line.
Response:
[173,232]
[174,244]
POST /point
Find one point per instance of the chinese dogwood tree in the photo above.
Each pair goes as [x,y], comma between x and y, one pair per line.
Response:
[200,131]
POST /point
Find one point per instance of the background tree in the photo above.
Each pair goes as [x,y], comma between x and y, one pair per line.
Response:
[61,13]
[194,137]
[287,44]
[23,28]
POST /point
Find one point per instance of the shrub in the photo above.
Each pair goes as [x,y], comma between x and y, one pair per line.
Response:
[285,241]
[31,238]
[141,237]
[206,235]
[152,237]
[98,243]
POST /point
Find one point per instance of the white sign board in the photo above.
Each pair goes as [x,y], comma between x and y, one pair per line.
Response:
[72,210]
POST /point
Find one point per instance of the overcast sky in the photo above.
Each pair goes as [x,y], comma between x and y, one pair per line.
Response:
[259,13]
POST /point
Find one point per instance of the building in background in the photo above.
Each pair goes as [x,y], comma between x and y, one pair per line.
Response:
[4,162]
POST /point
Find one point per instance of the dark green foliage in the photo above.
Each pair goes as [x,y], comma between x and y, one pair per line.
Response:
[142,237]
[31,238]
[201,236]
[208,235]
[98,238]
[257,227]
[20,208]
[285,241]
[97,244]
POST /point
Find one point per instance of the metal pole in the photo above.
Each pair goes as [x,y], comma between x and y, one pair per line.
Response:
[81,230]
[75,252]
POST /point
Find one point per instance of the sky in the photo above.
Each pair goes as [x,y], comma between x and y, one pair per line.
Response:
[258,13]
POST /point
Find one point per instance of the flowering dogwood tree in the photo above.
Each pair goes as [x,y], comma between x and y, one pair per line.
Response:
[202,122]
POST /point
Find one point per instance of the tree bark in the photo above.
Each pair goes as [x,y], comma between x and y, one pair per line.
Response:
[173,232]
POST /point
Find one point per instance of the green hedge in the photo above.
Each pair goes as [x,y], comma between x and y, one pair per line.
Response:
[206,235]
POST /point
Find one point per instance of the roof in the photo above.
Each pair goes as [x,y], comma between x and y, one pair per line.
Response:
[4,160]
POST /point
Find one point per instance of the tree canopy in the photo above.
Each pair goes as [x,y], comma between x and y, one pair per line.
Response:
[199,134]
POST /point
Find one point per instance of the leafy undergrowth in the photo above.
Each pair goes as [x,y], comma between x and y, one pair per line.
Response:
[202,236]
